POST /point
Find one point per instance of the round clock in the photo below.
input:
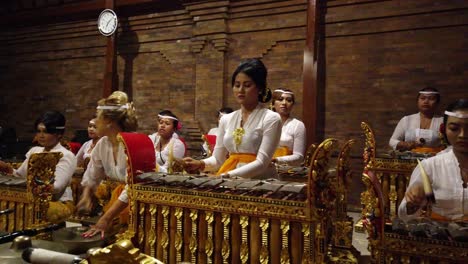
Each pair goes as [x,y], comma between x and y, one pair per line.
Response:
[107,22]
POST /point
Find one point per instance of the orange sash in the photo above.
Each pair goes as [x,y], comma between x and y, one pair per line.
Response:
[234,159]
[282,151]
[114,197]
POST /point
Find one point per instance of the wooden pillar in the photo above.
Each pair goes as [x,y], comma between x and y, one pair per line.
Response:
[110,75]
[311,84]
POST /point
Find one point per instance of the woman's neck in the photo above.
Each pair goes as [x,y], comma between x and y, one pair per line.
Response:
[284,118]
[462,158]
[112,136]
[95,140]
[247,109]
[427,114]
[47,149]
[164,140]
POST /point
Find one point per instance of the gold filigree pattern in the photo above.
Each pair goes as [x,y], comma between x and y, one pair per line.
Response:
[306,258]
[264,254]
[226,250]
[122,252]
[244,250]
[193,239]
[141,230]
[178,239]
[209,245]
[41,170]
[152,232]
[284,226]
[165,233]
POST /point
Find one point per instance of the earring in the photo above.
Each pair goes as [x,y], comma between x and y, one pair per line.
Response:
[108,125]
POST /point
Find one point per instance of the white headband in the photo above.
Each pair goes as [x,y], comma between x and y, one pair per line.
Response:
[170,117]
[428,92]
[57,127]
[456,114]
[283,91]
[113,107]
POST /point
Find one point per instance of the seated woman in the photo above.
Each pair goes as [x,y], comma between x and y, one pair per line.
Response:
[249,135]
[421,129]
[214,131]
[108,160]
[167,146]
[447,173]
[83,155]
[293,134]
[50,128]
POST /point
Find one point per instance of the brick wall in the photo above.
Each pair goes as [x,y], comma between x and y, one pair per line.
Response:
[378,54]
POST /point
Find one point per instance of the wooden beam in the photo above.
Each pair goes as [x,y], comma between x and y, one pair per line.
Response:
[309,75]
[78,9]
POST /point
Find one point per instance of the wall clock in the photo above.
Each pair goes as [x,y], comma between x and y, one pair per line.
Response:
[107,22]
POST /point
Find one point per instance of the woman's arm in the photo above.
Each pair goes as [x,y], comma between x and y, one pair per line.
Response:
[106,219]
[299,146]
[219,152]
[64,172]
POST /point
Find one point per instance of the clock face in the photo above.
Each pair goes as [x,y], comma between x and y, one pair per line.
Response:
[107,22]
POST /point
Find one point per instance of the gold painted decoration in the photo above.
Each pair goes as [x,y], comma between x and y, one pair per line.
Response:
[152,232]
[244,250]
[284,227]
[178,237]
[264,253]
[209,245]
[193,237]
[165,233]
[226,250]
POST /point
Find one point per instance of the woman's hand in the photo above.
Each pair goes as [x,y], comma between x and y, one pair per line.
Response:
[99,228]
[408,145]
[5,167]
[192,165]
[85,205]
[415,198]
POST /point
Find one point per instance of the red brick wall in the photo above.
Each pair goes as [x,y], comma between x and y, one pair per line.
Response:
[378,54]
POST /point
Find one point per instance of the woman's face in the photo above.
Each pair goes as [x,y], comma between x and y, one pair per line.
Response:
[284,104]
[45,139]
[457,131]
[427,102]
[166,127]
[245,90]
[102,125]
[92,131]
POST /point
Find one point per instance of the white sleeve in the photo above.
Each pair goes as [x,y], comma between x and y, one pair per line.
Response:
[219,152]
[178,151]
[415,180]
[22,171]
[94,174]
[399,133]
[123,197]
[299,146]
[80,154]
[270,140]
[64,172]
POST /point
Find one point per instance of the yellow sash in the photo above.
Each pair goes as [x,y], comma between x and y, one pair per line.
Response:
[114,197]
[234,159]
[282,151]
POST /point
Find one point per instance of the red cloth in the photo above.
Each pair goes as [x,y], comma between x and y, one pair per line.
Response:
[140,152]
[211,140]
[74,147]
